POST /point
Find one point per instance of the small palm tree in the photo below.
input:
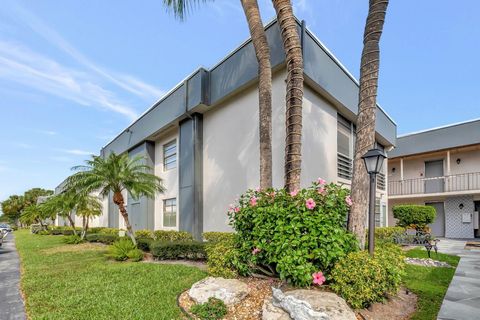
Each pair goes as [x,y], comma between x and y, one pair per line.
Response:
[62,205]
[87,207]
[116,174]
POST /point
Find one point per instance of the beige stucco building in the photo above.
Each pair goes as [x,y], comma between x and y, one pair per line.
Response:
[439,167]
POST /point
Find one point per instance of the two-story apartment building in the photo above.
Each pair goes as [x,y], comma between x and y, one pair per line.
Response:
[439,167]
[202,137]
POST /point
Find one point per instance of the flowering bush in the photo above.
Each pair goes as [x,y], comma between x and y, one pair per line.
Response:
[298,235]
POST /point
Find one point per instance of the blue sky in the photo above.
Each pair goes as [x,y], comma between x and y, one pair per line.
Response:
[75,73]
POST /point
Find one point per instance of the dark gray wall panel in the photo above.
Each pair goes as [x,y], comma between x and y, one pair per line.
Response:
[190,175]
[458,135]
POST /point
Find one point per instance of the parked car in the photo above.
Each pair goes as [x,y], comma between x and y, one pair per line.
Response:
[5,227]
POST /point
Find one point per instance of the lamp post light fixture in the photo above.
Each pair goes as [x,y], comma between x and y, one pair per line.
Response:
[373,163]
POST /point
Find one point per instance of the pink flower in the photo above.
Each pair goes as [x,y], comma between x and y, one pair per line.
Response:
[253,201]
[294,193]
[321,181]
[310,204]
[348,200]
[258,189]
[237,209]
[255,251]
[321,190]
[318,278]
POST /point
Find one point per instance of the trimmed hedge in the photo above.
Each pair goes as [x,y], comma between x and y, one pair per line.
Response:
[144,244]
[168,250]
[362,280]
[419,216]
[214,236]
[171,235]
[386,234]
[103,238]
[144,234]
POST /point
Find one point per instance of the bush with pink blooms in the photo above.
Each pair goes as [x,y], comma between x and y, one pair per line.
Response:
[298,236]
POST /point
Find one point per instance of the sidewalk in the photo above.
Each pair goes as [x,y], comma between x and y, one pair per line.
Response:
[462,300]
[11,303]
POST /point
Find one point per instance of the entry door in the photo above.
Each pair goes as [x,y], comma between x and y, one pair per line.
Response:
[438,226]
[434,169]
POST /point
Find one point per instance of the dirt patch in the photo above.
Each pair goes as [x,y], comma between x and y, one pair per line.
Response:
[250,308]
[399,307]
[75,248]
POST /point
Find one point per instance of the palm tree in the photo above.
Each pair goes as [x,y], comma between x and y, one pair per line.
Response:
[294,98]
[116,174]
[87,207]
[62,205]
[367,103]
[262,53]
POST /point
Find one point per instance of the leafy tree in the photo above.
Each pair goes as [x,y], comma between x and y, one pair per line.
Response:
[262,53]
[116,174]
[12,208]
[367,104]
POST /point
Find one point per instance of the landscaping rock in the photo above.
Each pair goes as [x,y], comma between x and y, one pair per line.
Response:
[297,304]
[427,262]
[230,291]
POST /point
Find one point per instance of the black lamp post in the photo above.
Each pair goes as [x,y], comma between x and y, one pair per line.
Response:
[373,163]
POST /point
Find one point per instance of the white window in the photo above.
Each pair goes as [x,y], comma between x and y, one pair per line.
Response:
[170,212]
[170,155]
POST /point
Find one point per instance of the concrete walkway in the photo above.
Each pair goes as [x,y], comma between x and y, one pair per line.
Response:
[11,303]
[462,300]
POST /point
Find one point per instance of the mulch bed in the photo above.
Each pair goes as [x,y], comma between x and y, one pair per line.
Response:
[399,307]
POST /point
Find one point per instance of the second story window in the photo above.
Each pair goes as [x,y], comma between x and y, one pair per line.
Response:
[170,155]
[344,147]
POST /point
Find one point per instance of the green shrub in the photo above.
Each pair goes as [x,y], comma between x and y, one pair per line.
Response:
[419,216]
[36,228]
[135,255]
[109,231]
[292,234]
[43,232]
[168,250]
[386,234]
[56,232]
[95,229]
[119,250]
[214,236]
[148,234]
[220,255]
[103,238]
[144,244]
[72,239]
[171,235]
[362,280]
[214,309]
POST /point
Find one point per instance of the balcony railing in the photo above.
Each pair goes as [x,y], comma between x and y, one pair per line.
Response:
[451,183]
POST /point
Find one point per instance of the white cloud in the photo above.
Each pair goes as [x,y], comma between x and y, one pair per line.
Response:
[78,152]
[126,82]
[48,132]
[61,159]
[20,64]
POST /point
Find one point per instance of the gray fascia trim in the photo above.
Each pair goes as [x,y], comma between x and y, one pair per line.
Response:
[166,116]
[342,67]
[437,128]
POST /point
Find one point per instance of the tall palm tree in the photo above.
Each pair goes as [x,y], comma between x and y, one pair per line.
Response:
[116,174]
[262,53]
[367,103]
[294,98]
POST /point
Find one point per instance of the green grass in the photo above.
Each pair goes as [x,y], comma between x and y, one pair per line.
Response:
[78,282]
[429,284]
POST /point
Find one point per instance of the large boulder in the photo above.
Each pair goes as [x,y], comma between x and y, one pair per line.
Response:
[230,291]
[326,305]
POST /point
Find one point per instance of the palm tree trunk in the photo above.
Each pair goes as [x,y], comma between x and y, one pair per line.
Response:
[367,104]
[262,52]
[84,228]
[294,97]
[72,224]
[120,202]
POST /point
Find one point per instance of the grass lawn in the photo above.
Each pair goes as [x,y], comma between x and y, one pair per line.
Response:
[430,284]
[78,282]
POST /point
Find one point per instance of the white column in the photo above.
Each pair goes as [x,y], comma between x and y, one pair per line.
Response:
[401,168]
[448,163]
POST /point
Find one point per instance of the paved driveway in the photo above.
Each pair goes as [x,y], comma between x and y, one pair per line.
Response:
[462,300]
[11,303]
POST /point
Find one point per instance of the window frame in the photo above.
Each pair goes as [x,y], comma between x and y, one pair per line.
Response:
[164,212]
[166,157]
